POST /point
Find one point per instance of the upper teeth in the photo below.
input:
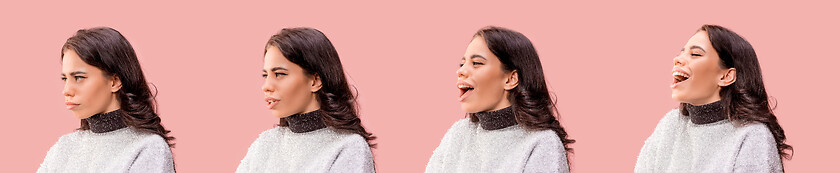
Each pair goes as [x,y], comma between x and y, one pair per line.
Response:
[270,101]
[463,86]
[681,74]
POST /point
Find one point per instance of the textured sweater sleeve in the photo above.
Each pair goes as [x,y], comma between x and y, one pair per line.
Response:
[53,153]
[647,156]
[758,151]
[645,160]
[548,155]
[437,160]
[355,157]
[246,164]
[155,156]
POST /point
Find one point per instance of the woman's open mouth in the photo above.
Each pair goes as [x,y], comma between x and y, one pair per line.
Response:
[271,102]
[679,77]
[466,90]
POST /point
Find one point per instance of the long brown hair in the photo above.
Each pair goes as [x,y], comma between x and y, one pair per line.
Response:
[105,48]
[745,100]
[313,51]
[530,100]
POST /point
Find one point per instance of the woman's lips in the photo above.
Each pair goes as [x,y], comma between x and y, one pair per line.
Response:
[271,102]
[70,105]
[466,90]
[679,76]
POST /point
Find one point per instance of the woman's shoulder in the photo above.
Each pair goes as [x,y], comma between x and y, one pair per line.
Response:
[544,137]
[754,128]
[270,134]
[147,139]
[277,130]
[673,115]
[456,133]
[61,150]
[672,121]
[755,131]
[352,140]
[463,124]
[673,118]
[71,137]
[65,140]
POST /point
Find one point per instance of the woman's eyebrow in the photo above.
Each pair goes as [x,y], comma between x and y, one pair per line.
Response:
[74,73]
[698,47]
[477,56]
[277,68]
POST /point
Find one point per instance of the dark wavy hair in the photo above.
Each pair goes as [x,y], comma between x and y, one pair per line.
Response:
[105,48]
[312,50]
[745,100]
[530,100]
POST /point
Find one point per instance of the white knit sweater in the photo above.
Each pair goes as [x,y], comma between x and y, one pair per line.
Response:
[323,150]
[678,145]
[467,147]
[122,150]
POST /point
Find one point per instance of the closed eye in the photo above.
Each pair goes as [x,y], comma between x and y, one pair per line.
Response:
[478,63]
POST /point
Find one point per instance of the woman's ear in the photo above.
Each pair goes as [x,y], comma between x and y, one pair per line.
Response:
[512,80]
[728,77]
[316,83]
[116,83]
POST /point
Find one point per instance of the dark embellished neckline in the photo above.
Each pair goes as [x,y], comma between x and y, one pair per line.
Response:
[306,122]
[705,114]
[106,122]
[497,119]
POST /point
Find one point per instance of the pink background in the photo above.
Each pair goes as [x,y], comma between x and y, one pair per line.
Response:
[607,62]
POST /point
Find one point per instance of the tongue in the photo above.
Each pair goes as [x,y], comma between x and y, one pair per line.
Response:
[680,78]
[465,94]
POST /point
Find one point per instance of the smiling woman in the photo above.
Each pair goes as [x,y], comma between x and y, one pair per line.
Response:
[725,122]
[512,125]
[104,86]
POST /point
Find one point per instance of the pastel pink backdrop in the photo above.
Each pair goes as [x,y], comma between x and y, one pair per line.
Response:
[607,62]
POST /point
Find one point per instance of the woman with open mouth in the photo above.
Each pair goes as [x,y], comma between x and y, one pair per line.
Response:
[104,86]
[725,122]
[319,129]
[511,125]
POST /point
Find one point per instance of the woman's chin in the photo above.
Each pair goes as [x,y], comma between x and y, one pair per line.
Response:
[677,97]
[81,115]
[684,100]
[468,108]
[279,114]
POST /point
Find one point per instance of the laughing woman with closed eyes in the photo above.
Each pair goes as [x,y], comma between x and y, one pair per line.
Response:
[319,129]
[511,125]
[104,86]
[724,122]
